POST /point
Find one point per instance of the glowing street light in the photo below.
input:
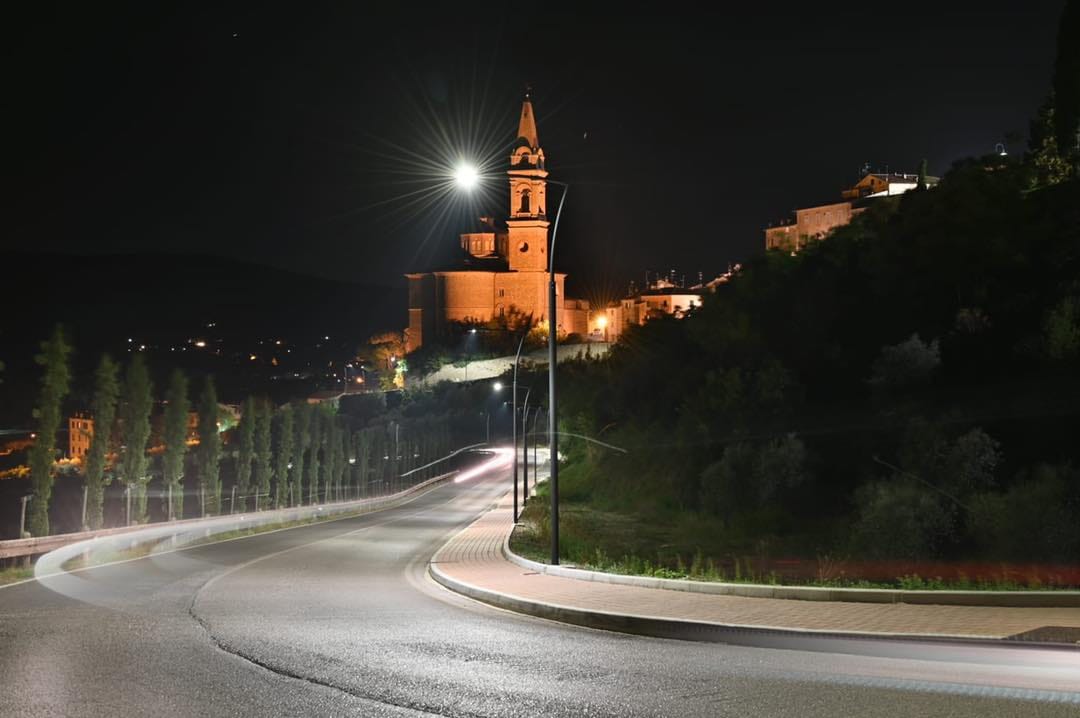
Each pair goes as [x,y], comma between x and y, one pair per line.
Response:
[497,386]
[466,177]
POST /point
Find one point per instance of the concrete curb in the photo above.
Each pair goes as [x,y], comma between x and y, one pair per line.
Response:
[999,599]
[763,636]
[688,630]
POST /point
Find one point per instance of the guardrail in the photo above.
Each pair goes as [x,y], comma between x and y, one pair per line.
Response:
[39,545]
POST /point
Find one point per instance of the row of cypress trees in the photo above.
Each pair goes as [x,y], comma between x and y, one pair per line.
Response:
[292,455]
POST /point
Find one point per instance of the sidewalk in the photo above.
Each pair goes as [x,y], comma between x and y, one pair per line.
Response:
[472,563]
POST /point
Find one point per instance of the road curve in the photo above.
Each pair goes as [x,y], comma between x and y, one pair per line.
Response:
[340,618]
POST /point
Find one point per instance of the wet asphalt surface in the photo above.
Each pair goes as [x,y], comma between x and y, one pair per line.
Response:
[340,618]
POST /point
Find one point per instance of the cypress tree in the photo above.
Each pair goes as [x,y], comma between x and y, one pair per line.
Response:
[263,455]
[283,453]
[344,451]
[54,387]
[209,453]
[103,411]
[922,175]
[302,422]
[362,462]
[245,451]
[177,408]
[326,468]
[135,416]
[312,472]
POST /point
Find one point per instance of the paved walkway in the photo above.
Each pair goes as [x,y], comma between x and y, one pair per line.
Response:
[473,563]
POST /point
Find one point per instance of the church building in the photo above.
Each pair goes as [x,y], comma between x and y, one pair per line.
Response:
[503,266]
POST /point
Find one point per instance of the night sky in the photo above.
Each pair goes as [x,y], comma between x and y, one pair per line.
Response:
[291,137]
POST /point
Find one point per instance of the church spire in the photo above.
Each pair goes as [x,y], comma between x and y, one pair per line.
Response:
[527,123]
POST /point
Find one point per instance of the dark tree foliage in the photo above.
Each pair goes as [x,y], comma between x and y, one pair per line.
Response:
[54,387]
[302,419]
[138,402]
[316,440]
[283,442]
[246,450]
[103,411]
[209,451]
[177,407]
[767,410]
[263,453]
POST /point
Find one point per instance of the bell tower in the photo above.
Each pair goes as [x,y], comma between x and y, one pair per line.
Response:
[527,224]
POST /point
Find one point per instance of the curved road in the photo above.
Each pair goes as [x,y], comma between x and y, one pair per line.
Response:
[340,618]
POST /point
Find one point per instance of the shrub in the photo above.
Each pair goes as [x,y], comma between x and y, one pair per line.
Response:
[900,519]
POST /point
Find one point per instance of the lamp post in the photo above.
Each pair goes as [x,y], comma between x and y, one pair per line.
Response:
[513,426]
[467,177]
[513,417]
[553,441]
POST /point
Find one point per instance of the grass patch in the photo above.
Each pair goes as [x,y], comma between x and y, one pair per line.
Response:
[12,575]
[658,545]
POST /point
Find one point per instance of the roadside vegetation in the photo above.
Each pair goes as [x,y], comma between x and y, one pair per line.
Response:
[900,398]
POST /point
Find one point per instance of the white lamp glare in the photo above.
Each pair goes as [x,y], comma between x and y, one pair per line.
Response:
[466,176]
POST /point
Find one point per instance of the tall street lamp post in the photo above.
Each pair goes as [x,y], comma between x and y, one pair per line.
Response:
[467,177]
[553,328]
[513,417]
[514,431]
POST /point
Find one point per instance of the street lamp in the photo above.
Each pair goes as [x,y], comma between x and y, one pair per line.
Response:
[553,440]
[468,178]
[601,324]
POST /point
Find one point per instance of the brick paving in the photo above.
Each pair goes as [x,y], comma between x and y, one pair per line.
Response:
[475,557]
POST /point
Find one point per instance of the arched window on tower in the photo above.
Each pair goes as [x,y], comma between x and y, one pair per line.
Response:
[524,202]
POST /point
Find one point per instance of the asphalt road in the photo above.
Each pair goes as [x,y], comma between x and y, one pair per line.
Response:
[340,618]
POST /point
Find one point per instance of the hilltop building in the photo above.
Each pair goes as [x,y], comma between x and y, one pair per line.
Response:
[663,295]
[503,266]
[813,223]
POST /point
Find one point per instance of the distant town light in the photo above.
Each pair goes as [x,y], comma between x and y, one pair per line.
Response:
[200,344]
[466,176]
[251,357]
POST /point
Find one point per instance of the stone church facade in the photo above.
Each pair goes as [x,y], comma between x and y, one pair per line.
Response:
[503,270]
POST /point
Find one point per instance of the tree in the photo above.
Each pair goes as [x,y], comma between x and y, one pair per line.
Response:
[922,175]
[103,411]
[263,453]
[1067,85]
[283,453]
[1046,161]
[135,418]
[209,453]
[326,469]
[906,364]
[54,387]
[245,450]
[311,473]
[302,418]
[177,407]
